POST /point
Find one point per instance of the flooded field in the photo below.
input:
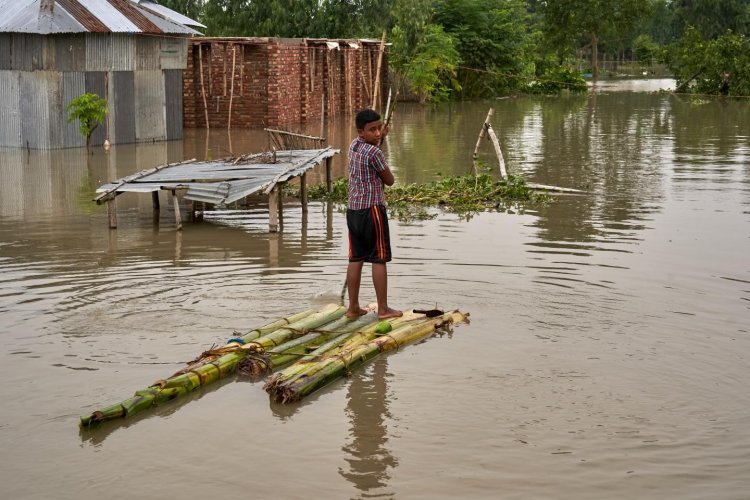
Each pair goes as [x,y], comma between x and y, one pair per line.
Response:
[607,355]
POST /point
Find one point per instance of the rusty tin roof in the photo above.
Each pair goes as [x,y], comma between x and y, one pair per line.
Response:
[94,16]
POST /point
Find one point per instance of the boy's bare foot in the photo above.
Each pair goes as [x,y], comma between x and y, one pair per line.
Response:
[356,313]
[390,313]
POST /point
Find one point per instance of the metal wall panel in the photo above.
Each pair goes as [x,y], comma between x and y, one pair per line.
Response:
[150,106]
[57,121]
[123,107]
[122,57]
[110,52]
[70,52]
[173,91]
[148,50]
[173,53]
[35,111]
[6,59]
[96,83]
[27,51]
[10,111]
[74,84]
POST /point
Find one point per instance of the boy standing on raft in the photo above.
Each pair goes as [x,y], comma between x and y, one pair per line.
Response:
[366,218]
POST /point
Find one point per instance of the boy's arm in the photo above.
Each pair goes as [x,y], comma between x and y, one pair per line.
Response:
[377,161]
[387,176]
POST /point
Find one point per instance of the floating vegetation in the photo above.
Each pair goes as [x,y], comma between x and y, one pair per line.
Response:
[464,195]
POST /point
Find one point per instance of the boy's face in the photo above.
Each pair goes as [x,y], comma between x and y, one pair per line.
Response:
[372,132]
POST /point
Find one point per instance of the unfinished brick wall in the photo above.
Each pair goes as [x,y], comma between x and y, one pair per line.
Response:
[277,82]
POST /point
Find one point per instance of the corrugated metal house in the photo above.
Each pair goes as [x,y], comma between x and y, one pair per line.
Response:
[130,52]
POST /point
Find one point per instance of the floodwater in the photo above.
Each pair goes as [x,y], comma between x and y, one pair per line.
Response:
[607,356]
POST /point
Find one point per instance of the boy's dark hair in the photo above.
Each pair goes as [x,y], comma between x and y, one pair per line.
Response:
[366,116]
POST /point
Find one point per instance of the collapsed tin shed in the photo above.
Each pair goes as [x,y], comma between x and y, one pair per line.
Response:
[130,52]
[219,183]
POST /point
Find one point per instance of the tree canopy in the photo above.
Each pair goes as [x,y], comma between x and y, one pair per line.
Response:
[475,48]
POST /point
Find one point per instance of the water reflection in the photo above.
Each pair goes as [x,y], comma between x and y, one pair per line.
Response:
[368,457]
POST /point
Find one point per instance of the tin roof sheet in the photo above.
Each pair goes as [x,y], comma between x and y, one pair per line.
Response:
[96,16]
[220,182]
[169,14]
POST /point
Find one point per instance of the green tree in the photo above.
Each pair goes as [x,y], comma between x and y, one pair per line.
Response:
[354,18]
[90,110]
[493,41]
[422,54]
[279,18]
[711,66]
[712,18]
[568,22]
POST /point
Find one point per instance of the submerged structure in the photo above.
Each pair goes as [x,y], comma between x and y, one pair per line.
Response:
[130,52]
[218,183]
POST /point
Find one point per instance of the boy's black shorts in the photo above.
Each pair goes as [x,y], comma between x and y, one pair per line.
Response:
[369,237]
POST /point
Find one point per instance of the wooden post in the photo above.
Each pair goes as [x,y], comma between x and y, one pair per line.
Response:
[203,86]
[177,217]
[231,89]
[479,139]
[328,174]
[112,213]
[200,210]
[322,113]
[157,206]
[303,191]
[377,72]
[273,210]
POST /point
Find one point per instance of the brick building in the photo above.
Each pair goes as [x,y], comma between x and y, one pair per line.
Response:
[277,82]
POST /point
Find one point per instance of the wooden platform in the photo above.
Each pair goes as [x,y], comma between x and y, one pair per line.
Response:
[221,182]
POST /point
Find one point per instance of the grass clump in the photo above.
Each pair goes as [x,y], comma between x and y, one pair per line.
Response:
[464,195]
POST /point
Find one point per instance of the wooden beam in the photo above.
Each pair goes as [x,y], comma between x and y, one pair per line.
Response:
[177,217]
[112,213]
[203,86]
[231,91]
[328,174]
[303,191]
[273,210]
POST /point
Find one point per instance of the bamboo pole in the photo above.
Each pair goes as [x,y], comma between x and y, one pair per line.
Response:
[335,365]
[479,139]
[231,88]
[203,86]
[211,366]
[308,365]
[498,151]
[291,351]
[377,72]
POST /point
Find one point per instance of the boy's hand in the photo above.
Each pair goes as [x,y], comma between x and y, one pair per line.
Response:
[384,131]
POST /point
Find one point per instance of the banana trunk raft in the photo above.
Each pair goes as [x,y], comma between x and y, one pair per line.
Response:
[316,347]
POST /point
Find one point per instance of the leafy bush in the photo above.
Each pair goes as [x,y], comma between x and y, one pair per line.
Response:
[90,110]
[711,66]
[556,80]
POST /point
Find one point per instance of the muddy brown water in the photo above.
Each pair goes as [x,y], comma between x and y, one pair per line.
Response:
[607,355]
